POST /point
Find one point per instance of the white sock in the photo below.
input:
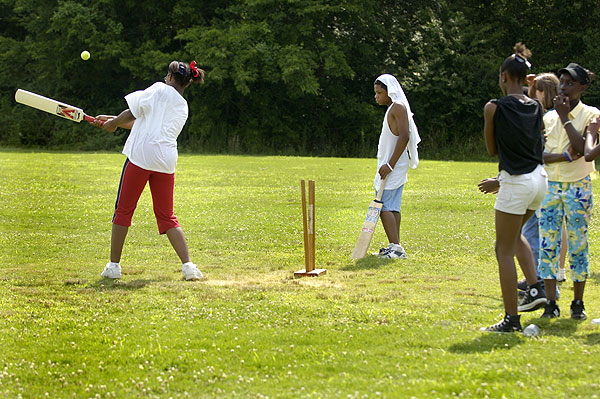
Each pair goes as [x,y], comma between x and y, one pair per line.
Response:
[189,264]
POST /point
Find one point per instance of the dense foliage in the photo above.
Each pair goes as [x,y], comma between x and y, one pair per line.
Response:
[283,76]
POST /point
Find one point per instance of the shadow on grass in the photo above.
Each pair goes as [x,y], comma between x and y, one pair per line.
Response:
[369,262]
[592,339]
[109,284]
[488,342]
[594,277]
[561,327]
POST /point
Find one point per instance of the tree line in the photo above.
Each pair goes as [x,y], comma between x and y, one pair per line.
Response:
[282,76]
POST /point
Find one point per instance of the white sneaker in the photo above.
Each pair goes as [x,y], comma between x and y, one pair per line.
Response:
[395,251]
[561,275]
[112,270]
[383,251]
[191,272]
[596,322]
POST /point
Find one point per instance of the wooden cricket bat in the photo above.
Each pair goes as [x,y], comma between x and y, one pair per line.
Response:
[51,106]
[368,228]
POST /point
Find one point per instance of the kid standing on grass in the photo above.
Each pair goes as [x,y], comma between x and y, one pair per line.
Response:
[396,150]
[155,116]
[513,131]
[544,87]
[569,196]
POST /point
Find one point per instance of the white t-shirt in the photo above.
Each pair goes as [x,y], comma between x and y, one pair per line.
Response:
[160,113]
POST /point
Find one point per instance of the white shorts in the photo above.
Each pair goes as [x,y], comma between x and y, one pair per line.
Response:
[518,193]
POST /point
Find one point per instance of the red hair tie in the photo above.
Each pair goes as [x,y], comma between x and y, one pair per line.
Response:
[194,70]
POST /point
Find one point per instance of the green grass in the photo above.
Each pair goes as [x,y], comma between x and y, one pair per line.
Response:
[367,329]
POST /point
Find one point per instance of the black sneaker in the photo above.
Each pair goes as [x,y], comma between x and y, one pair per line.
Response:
[551,310]
[510,323]
[522,285]
[578,310]
[535,298]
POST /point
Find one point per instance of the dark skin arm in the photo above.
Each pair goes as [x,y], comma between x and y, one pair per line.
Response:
[562,105]
[398,121]
[551,157]
[488,128]
[125,120]
[592,149]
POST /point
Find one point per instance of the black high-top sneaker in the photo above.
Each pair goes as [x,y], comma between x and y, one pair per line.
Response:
[535,298]
[551,310]
[510,323]
[578,310]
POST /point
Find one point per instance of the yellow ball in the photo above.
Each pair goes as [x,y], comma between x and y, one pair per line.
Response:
[85,55]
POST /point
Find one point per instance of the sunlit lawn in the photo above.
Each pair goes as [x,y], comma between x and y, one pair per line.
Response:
[366,329]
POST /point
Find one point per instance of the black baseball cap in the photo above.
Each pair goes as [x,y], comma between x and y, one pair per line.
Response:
[577,72]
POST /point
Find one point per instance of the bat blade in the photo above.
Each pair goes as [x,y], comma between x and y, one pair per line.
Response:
[367,230]
[51,106]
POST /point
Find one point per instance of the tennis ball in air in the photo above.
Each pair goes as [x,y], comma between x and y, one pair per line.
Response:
[85,55]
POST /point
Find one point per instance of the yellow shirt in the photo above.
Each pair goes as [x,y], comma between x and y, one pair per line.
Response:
[557,142]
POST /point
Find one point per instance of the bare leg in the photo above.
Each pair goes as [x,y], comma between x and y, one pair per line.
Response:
[550,286]
[117,240]
[578,287]
[564,246]
[525,258]
[391,225]
[508,240]
[177,239]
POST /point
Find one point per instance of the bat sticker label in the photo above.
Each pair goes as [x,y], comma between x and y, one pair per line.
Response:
[367,230]
[372,215]
[65,112]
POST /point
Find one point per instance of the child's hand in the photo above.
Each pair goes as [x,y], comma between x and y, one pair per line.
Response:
[107,125]
[574,154]
[562,105]
[384,171]
[530,78]
[489,186]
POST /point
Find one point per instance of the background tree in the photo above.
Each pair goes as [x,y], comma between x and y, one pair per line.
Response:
[283,76]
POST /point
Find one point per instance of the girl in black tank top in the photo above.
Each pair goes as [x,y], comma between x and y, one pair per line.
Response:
[513,131]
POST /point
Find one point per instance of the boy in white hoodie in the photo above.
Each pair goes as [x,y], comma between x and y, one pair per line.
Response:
[397,150]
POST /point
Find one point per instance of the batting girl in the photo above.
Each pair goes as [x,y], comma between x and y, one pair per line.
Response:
[155,116]
[513,131]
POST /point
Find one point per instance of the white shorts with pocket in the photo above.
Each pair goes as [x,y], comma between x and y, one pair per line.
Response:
[518,193]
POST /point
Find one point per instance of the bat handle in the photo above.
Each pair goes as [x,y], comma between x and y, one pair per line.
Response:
[91,119]
[381,188]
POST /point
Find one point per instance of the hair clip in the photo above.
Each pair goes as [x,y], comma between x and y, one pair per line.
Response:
[522,60]
[194,70]
[181,69]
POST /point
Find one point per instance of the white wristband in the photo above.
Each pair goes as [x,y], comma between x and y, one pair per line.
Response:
[389,166]
[566,123]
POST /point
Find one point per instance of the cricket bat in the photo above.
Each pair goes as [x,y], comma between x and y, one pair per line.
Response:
[51,106]
[368,228]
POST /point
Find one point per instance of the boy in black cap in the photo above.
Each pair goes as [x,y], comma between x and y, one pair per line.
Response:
[569,194]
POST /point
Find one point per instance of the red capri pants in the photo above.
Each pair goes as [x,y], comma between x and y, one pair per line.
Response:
[133,181]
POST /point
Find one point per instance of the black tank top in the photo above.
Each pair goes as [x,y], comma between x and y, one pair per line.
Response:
[518,131]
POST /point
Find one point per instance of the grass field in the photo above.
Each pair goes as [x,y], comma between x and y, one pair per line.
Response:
[367,329]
